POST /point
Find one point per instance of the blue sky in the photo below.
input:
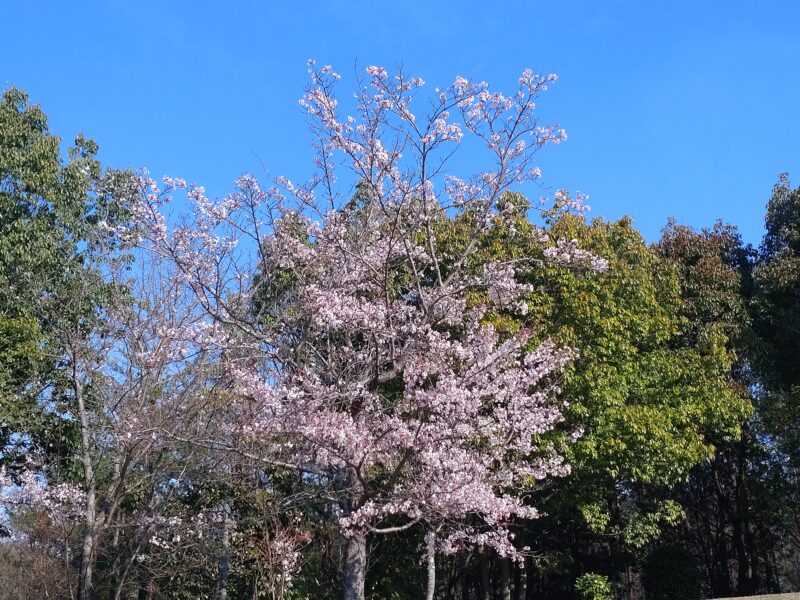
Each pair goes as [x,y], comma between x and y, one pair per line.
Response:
[686,108]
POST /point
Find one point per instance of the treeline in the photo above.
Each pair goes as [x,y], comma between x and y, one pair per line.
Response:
[288,394]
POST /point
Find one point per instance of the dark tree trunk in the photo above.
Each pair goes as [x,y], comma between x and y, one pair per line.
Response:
[724,516]
[483,567]
[748,582]
[522,580]
[458,587]
[505,579]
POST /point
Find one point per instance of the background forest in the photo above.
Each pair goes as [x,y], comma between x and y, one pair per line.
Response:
[422,386]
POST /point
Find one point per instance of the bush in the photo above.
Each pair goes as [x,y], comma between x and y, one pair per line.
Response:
[592,586]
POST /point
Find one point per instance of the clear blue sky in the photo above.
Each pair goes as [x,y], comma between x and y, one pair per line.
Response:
[685,108]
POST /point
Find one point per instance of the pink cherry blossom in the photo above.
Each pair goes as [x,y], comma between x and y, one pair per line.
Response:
[351,337]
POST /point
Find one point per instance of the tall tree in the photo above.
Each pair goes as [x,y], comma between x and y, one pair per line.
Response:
[650,398]
[52,213]
[776,316]
[371,368]
[729,499]
[71,376]
[777,313]
[650,404]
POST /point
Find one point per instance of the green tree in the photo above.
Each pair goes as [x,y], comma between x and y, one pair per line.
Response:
[53,212]
[650,403]
[650,395]
[59,218]
[732,500]
[776,318]
[777,315]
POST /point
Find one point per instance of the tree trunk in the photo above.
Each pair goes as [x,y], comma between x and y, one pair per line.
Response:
[522,589]
[355,567]
[505,579]
[67,569]
[90,518]
[773,582]
[629,578]
[461,567]
[430,547]
[114,571]
[748,581]
[483,566]
[224,559]
[723,576]
[87,550]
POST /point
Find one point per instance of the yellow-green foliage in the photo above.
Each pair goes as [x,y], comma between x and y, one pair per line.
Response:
[648,403]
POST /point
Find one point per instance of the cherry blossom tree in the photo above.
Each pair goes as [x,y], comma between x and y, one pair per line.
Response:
[358,346]
[127,384]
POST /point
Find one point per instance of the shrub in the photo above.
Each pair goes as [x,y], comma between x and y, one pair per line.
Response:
[592,586]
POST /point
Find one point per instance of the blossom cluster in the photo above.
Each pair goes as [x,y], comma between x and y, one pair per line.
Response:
[62,503]
[568,252]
